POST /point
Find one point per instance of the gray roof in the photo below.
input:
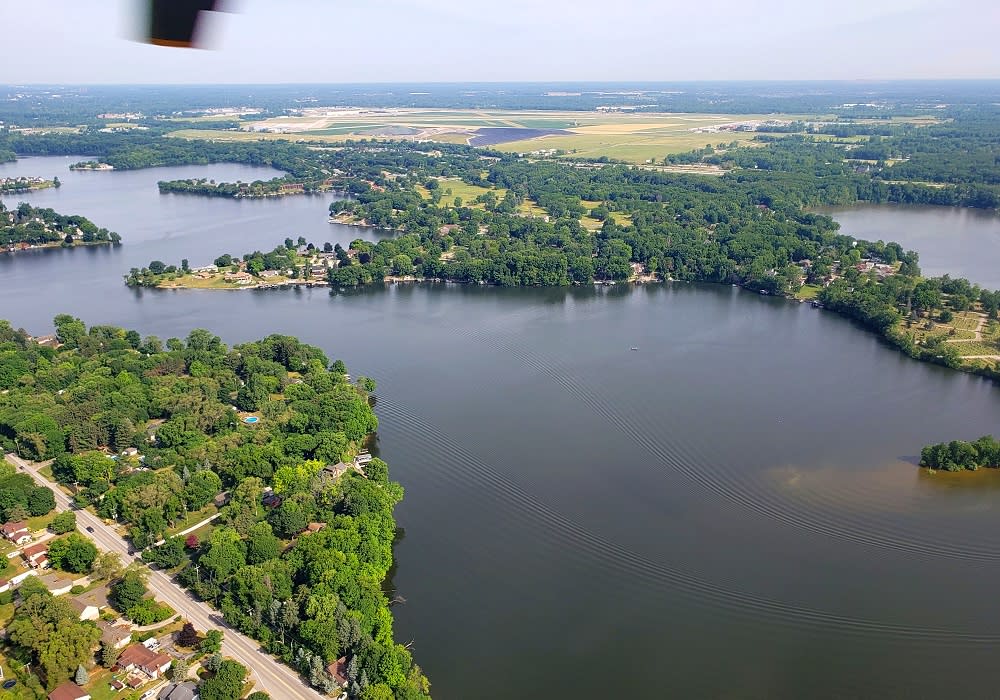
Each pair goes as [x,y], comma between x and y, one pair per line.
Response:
[185,690]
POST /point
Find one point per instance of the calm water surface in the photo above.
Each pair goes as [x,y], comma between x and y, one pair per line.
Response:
[730,511]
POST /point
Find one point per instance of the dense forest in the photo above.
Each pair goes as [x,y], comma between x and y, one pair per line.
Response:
[298,557]
[30,225]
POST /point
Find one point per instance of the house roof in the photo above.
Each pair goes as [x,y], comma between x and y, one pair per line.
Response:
[113,634]
[68,691]
[338,669]
[138,655]
[97,597]
[315,527]
[11,528]
[335,470]
[185,690]
[35,549]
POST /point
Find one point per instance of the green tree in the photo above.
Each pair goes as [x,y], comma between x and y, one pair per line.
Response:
[262,545]
[212,642]
[73,553]
[128,591]
[108,655]
[227,684]
[41,501]
[378,691]
[179,670]
[63,523]
[108,565]
[201,488]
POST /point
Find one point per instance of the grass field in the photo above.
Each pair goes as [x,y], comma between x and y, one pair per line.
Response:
[632,137]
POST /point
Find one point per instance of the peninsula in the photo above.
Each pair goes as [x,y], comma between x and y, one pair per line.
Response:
[20,185]
[28,228]
[290,264]
[303,541]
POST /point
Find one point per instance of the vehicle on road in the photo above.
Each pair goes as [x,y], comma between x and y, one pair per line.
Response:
[90,529]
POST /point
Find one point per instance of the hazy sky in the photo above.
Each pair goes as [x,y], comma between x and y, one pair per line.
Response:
[267,41]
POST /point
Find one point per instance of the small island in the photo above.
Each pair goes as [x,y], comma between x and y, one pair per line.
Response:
[959,455]
[28,227]
[19,185]
[91,165]
[291,264]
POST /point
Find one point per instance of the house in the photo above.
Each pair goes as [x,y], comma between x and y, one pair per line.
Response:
[116,636]
[335,471]
[130,452]
[17,532]
[4,585]
[69,691]
[312,528]
[338,671]
[238,277]
[36,555]
[318,270]
[90,604]
[362,458]
[269,273]
[139,658]
[271,500]
[185,690]
[84,611]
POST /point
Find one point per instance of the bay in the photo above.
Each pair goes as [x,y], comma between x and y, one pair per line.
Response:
[731,510]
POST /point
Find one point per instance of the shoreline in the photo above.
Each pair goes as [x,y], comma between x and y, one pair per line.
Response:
[14,248]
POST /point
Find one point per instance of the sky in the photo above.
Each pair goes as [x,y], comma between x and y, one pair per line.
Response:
[345,41]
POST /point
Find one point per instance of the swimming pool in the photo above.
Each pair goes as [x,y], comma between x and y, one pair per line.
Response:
[251,419]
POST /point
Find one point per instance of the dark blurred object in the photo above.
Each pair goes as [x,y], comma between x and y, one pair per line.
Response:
[175,22]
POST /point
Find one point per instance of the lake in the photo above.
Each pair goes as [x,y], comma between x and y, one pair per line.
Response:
[950,240]
[732,510]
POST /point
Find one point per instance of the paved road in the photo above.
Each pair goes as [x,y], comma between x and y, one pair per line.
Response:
[270,675]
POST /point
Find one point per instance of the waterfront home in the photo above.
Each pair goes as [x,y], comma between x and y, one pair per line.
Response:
[139,658]
[238,277]
[69,691]
[362,459]
[17,532]
[335,471]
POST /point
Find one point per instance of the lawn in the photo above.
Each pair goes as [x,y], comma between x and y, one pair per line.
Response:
[808,291]
[193,517]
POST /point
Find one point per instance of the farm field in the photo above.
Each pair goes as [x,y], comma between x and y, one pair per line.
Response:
[632,137]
